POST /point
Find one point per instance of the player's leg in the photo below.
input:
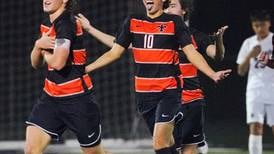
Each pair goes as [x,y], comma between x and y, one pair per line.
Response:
[43,124]
[94,150]
[36,140]
[255,119]
[166,112]
[189,149]
[192,127]
[85,122]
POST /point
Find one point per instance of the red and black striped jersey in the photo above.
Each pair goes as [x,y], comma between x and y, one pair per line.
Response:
[155,44]
[71,81]
[192,90]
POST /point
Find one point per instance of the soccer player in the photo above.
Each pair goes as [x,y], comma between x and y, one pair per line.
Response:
[67,100]
[259,99]
[191,130]
[155,39]
[193,98]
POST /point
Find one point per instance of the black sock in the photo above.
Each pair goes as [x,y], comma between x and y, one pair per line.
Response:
[163,151]
[169,150]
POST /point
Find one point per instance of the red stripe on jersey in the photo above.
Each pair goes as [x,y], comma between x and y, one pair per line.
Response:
[68,88]
[194,42]
[153,56]
[154,84]
[189,96]
[145,27]
[188,70]
[45,29]
[79,57]
[79,29]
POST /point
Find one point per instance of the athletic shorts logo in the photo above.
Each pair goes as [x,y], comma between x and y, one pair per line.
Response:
[165,115]
[196,135]
[89,136]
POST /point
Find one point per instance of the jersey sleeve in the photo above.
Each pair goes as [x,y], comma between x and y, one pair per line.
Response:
[243,52]
[123,37]
[65,30]
[182,32]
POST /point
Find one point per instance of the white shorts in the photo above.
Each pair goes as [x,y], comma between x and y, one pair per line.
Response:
[257,112]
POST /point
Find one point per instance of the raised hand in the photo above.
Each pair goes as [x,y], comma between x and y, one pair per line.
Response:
[84,21]
[220,33]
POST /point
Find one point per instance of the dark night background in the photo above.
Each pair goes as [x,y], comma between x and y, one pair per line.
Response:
[20,85]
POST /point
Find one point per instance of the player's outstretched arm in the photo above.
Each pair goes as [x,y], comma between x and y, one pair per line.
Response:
[45,42]
[57,60]
[106,39]
[198,61]
[217,51]
[244,66]
[113,54]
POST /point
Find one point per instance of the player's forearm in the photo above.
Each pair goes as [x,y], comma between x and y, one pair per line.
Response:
[102,61]
[220,49]
[36,57]
[199,62]
[106,39]
[243,67]
[53,60]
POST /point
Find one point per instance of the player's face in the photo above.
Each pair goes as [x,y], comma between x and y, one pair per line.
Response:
[51,6]
[175,8]
[261,28]
[153,6]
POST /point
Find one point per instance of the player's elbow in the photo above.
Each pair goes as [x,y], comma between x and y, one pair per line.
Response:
[58,65]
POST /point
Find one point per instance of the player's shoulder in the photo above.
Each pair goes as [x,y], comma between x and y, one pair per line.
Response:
[250,39]
[66,18]
[46,21]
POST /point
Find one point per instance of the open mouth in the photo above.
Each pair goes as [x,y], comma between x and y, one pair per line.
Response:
[149,4]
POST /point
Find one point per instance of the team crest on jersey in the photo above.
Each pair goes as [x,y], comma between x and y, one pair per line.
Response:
[162,28]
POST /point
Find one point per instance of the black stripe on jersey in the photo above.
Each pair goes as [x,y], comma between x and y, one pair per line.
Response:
[69,72]
[156,70]
[160,42]
[191,83]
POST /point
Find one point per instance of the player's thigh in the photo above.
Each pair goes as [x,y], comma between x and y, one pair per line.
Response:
[94,150]
[192,128]
[189,149]
[255,112]
[162,136]
[82,116]
[36,140]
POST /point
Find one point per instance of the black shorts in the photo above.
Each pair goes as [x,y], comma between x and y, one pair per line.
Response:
[159,107]
[190,130]
[81,115]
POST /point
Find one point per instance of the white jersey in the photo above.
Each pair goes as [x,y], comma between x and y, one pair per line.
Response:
[260,84]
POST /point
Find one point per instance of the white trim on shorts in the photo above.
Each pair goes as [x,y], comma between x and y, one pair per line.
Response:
[43,129]
[172,120]
[90,144]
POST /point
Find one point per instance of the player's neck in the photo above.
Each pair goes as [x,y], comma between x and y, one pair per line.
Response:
[155,15]
[261,37]
[56,14]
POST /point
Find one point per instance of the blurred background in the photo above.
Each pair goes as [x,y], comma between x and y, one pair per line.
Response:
[20,85]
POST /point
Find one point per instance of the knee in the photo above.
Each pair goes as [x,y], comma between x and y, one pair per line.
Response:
[256,129]
[160,142]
